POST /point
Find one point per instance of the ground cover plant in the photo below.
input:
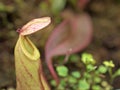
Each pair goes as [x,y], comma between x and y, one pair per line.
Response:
[89,77]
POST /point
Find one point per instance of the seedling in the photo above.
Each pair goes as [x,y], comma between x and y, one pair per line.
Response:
[91,78]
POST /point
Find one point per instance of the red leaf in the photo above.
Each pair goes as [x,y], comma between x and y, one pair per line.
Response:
[71,36]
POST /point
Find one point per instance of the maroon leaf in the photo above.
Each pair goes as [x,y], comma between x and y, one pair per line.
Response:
[71,36]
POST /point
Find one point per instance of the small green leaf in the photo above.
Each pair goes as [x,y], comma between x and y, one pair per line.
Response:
[76,74]
[109,63]
[104,83]
[102,69]
[96,87]
[97,79]
[87,75]
[62,71]
[90,67]
[87,58]
[53,83]
[72,80]
[74,58]
[83,85]
[117,73]
[62,85]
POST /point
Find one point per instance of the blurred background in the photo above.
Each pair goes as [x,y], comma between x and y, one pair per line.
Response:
[105,15]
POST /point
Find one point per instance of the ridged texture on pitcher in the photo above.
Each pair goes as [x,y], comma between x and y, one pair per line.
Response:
[29,74]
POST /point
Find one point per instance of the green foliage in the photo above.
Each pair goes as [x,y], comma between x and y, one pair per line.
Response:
[62,71]
[109,64]
[53,83]
[102,69]
[74,58]
[97,79]
[57,6]
[76,74]
[96,87]
[6,8]
[73,2]
[72,80]
[91,77]
[83,85]
[2,7]
[90,67]
[87,58]
[117,73]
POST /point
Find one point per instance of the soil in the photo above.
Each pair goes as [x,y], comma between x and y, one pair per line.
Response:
[105,45]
